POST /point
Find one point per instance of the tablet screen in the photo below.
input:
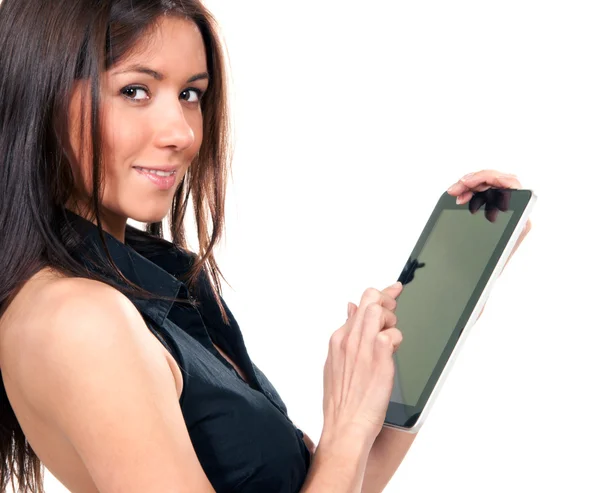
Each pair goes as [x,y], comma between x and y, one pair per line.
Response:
[443,279]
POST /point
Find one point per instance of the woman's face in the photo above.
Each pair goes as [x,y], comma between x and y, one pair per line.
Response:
[148,121]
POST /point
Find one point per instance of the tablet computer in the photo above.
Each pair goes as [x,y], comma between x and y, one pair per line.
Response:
[447,280]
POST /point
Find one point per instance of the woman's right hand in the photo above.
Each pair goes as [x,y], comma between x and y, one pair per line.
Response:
[359,371]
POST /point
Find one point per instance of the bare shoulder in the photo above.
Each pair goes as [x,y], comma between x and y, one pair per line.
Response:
[50,305]
[59,314]
[81,360]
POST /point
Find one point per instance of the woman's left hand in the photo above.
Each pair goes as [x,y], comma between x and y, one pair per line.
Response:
[481,181]
[464,190]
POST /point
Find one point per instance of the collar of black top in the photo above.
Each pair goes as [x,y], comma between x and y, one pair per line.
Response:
[150,262]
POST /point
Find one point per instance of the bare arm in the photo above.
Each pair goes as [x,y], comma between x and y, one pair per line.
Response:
[90,372]
[384,458]
[389,449]
[338,465]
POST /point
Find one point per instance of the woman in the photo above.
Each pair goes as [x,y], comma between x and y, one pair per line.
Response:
[123,368]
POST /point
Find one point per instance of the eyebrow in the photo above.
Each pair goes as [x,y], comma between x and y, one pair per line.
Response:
[157,75]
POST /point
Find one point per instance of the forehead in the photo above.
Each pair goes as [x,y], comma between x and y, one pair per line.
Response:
[174,44]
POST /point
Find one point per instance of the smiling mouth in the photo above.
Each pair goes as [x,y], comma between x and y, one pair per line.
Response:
[155,171]
[162,179]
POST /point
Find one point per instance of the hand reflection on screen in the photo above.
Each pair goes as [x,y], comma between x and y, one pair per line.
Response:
[408,273]
[494,199]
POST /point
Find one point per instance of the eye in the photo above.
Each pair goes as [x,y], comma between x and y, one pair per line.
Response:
[133,89]
[198,93]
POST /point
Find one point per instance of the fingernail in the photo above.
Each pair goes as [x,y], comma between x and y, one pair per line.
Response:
[453,188]
[349,308]
[397,284]
[466,177]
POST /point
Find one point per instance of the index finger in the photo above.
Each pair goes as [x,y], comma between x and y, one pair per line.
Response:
[392,292]
[386,297]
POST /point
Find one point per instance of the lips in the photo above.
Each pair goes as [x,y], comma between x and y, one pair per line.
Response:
[167,169]
[158,172]
[160,180]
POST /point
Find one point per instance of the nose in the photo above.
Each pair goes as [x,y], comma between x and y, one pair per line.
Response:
[173,128]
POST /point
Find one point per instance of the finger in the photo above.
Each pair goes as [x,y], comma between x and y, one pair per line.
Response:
[385,297]
[457,188]
[481,188]
[388,317]
[466,196]
[385,346]
[461,189]
[491,178]
[484,174]
[393,292]
[463,198]
[352,334]
[377,319]
[395,337]
[483,180]
[389,299]
[354,329]
[352,308]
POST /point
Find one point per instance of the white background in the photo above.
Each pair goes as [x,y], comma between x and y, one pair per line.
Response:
[351,119]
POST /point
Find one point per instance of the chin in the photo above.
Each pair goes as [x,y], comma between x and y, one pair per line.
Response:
[147,216]
[153,218]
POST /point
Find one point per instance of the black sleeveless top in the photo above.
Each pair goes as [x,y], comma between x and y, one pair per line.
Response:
[240,431]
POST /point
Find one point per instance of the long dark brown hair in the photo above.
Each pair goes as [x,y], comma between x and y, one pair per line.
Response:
[45,48]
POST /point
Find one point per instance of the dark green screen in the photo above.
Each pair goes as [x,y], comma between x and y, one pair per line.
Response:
[455,255]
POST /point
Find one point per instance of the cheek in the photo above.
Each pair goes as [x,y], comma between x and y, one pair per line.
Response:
[123,141]
[120,140]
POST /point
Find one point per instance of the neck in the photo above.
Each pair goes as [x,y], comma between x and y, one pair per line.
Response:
[113,224]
